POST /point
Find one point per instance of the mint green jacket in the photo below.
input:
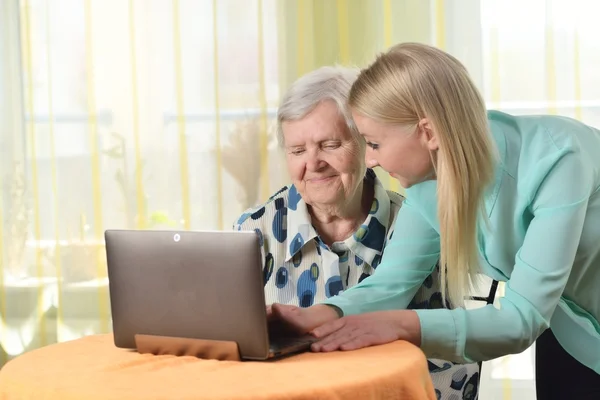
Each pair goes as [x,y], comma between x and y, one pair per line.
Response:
[543,240]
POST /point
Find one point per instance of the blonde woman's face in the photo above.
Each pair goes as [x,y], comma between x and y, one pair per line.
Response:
[404,153]
[325,162]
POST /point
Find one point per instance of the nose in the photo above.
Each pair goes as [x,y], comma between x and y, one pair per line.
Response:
[314,163]
[370,160]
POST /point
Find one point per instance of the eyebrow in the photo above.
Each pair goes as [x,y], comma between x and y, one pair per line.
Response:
[331,139]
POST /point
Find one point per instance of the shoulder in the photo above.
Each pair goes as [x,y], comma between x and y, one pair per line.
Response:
[423,197]
[544,148]
[263,214]
[544,135]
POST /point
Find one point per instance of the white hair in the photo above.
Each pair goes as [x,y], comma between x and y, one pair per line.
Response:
[307,92]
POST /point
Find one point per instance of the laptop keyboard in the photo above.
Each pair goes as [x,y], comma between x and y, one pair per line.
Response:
[282,343]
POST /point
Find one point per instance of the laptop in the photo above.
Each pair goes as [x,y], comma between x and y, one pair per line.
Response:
[201,285]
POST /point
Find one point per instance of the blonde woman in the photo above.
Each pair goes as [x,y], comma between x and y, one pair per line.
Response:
[516,198]
[328,229]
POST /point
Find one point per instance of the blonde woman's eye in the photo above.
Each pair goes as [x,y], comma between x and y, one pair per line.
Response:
[373,145]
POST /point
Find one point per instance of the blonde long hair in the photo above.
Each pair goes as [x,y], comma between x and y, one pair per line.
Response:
[415,81]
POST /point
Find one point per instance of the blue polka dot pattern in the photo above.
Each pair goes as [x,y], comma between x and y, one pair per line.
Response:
[428,282]
[375,235]
[314,272]
[344,257]
[293,198]
[361,233]
[279,225]
[458,379]
[268,268]
[333,286]
[422,305]
[363,276]
[279,204]
[258,213]
[261,238]
[306,289]
[358,261]
[436,368]
[471,388]
[374,207]
[243,218]
[277,193]
[297,259]
[376,261]
[281,278]
[296,244]
[435,301]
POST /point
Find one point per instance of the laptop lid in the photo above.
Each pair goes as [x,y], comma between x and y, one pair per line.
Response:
[205,285]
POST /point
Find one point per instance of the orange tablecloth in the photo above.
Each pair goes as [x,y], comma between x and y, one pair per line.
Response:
[92,368]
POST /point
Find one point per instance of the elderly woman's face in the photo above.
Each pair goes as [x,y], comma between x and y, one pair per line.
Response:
[325,162]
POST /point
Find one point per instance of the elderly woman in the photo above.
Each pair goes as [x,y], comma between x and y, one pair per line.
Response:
[327,231]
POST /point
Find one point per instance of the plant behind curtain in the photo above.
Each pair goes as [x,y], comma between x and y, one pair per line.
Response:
[159,114]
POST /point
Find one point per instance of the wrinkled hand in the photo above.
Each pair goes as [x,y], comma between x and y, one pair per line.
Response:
[299,321]
[370,329]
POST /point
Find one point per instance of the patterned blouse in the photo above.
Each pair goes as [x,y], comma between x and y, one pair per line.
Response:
[300,269]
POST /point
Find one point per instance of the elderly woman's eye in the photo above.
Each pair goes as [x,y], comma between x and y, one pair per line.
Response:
[297,152]
[332,145]
[373,145]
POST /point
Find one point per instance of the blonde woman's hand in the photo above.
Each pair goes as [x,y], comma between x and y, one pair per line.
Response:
[370,329]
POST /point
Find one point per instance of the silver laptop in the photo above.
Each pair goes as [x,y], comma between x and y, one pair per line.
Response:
[202,285]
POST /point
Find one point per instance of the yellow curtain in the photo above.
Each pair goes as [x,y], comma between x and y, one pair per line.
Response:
[159,115]
[348,32]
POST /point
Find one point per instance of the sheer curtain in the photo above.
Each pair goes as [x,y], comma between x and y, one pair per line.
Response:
[159,114]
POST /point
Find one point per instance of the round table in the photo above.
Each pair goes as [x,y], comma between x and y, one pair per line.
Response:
[93,368]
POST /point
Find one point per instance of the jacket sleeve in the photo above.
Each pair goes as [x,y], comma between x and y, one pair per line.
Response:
[541,270]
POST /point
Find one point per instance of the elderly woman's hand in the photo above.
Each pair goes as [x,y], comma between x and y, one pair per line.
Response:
[298,320]
[363,330]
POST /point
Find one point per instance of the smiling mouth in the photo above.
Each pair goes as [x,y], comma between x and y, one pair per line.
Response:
[320,180]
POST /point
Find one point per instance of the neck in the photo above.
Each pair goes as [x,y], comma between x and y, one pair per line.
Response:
[336,224]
